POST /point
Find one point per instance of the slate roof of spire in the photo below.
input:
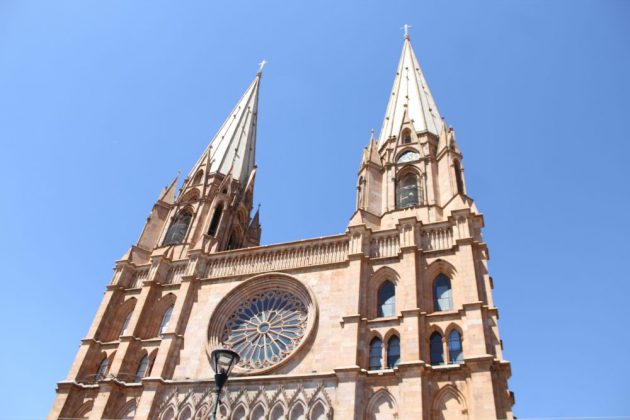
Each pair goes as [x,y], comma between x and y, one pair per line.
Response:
[410,95]
[233,148]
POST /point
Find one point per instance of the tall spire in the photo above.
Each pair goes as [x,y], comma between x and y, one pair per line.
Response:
[233,148]
[410,96]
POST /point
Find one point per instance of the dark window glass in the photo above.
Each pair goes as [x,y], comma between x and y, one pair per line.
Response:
[393,352]
[165,319]
[177,231]
[455,352]
[458,176]
[214,223]
[437,351]
[102,369]
[143,368]
[407,192]
[376,353]
[443,299]
[387,299]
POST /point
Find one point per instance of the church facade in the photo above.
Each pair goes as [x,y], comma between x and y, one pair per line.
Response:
[392,319]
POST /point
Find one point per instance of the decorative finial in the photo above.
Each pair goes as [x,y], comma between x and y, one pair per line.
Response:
[372,134]
[405,28]
[261,65]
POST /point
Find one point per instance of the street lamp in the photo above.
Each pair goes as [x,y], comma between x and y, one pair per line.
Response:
[222,361]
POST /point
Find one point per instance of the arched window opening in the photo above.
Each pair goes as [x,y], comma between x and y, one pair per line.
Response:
[232,241]
[407,192]
[258,413]
[387,299]
[455,351]
[239,413]
[406,137]
[216,218]
[186,414]
[143,368]
[277,413]
[123,328]
[376,353]
[198,178]
[318,412]
[458,176]
[442,294]
[393,352]
[297,412]
[165,320]
[437,351]
[177,231]
[102,369]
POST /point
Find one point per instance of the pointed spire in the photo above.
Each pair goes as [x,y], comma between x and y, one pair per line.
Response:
[410,96]
[233,148]
[168,193]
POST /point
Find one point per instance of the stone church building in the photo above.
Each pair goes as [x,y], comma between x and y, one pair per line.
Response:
[391,319]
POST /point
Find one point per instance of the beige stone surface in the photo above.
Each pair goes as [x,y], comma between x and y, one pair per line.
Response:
[211,269]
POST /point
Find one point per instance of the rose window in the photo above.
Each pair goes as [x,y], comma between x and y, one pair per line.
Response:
[265,328]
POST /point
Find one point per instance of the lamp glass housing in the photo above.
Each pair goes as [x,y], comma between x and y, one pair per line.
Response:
[223,361]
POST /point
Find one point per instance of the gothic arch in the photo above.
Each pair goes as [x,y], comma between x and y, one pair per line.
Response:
[377,280]
[381,406]
[239,412]
[202,411]
[128,411]
[449,404]
[454,326]
[84,410]
[191,195]
[258,411]
[169,413]
[159,308]
[186,413]
[125,310]
[438,267]
[319,410]
[278,411]
[198,177]
[298,411]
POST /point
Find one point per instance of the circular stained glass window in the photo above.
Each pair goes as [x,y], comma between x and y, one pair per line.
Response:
[265,328]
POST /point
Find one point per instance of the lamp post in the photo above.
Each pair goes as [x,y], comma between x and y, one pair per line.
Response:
[222,361]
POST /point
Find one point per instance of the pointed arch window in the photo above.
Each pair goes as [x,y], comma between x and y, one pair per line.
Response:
[442,294]
[387,299]
[102,369]
[376,354]
[406,136]
[143,368]
[198,177]
[455,351]
[457,166]
[165,320]
[177,231]
[437,350]
[216,218]
[393,352]
[407,192]
[125,324]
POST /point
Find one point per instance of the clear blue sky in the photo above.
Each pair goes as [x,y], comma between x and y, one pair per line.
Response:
[101,102]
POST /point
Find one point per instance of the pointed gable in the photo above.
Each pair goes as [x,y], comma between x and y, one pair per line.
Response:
[410,96]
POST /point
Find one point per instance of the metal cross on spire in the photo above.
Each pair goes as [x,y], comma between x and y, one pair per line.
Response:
[261,65]
[405,28]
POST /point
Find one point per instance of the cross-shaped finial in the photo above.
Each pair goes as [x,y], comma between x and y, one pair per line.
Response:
[406,29]
[261,65]
[372,134]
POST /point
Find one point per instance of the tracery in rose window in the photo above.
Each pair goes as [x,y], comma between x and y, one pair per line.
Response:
[265,328]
